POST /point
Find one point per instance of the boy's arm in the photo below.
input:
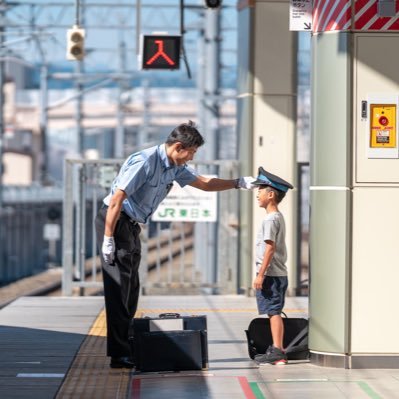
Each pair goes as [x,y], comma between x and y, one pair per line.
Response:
[267,257]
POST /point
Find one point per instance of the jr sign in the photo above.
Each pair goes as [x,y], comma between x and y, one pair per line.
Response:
[187,204]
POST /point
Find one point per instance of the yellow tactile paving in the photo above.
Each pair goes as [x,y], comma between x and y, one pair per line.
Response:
[99,327]
[90,375]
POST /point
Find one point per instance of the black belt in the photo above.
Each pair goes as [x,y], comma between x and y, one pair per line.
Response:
[123,213]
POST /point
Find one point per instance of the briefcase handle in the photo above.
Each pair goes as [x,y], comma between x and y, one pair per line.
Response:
[169,315]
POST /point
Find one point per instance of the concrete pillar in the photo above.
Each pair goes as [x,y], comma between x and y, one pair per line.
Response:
[354,192]
[266,118]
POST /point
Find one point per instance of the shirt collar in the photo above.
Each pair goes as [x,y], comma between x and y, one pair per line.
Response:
[164,157]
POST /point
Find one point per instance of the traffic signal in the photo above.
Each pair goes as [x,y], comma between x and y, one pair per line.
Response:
[160,52]
[213,3]
[75,43]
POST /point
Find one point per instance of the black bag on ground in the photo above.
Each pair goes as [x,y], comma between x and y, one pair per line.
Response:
[295,340]
[169,342]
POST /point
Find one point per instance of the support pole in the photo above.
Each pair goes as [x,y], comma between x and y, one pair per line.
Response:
[119,138]
[211,127]
[43,123]
[79,69]
[2,81]
[2,99]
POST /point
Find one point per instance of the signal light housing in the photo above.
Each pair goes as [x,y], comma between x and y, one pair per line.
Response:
[213,3]
[75,44]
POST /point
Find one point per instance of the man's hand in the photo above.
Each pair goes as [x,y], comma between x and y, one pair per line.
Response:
[245,182]
[108,250]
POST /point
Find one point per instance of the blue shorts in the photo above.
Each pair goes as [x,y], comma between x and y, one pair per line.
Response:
[270,299]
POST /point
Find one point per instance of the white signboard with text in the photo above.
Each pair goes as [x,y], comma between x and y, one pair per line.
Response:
[187,204]
[301,15]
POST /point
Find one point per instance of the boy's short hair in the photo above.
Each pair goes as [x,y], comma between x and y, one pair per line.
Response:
[186,134]
[279,195]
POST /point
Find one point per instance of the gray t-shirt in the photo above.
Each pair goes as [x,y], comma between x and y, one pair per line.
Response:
[272,229]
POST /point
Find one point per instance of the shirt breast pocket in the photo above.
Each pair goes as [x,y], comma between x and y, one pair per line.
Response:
[154,181]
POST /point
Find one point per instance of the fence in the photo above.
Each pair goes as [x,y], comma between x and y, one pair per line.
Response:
[25,249]
[207,252]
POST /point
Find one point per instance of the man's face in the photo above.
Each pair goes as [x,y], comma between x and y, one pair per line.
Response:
[182,155]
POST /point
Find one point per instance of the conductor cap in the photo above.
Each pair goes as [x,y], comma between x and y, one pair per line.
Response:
[268,179]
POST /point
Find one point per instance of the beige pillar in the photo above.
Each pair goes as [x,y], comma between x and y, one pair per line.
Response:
[354,187]
[266,118]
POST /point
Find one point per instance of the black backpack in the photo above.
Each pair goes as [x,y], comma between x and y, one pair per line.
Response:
[295,341]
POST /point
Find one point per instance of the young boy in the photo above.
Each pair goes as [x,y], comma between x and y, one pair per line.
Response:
[271,254]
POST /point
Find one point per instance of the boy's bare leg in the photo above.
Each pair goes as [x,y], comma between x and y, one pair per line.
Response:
[277,328]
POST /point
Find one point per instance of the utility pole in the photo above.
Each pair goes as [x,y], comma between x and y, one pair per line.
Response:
[43,122]
[211,113]
[2,98]
[79,69]
[208,114]
[143,133]
[119,137]
[43,113]
[2,81]
[212,81]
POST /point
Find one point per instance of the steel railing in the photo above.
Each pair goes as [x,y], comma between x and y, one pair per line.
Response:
[213,247]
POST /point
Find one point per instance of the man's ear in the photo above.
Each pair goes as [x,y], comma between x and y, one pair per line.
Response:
[178,146]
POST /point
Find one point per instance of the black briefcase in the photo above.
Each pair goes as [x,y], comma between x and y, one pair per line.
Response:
[169,342]
[295,341]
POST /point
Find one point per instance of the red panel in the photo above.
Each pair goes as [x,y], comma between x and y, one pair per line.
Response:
[362,22]
[365,16]
[337,24]
[324,21]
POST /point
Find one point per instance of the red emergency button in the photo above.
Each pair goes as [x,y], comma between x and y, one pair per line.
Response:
[383,120]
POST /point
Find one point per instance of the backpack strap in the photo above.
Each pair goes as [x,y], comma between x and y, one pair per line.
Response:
[297,339]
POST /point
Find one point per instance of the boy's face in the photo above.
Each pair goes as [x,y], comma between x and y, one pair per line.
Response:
[264,196]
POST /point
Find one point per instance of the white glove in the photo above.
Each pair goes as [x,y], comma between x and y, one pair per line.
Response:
[245,182]
[108,250]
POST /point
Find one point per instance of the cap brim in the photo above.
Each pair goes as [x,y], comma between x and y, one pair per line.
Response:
[258,182]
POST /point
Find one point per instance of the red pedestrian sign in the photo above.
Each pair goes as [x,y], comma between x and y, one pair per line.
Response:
[161,52]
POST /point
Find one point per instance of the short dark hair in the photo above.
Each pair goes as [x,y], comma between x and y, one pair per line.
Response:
[187,134]
[277,193]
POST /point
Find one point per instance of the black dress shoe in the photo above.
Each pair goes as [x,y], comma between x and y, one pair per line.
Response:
[121,363]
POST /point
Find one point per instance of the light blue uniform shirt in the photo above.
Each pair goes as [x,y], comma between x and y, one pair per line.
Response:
[146,178]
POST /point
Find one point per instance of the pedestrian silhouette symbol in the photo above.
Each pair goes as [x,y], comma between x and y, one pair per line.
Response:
[161,52]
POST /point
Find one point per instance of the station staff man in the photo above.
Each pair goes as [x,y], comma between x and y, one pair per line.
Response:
[143,182]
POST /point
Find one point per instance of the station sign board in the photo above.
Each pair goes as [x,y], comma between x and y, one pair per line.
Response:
[187,204]
[301,15]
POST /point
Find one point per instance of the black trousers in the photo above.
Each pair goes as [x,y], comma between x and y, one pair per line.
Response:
[121,281]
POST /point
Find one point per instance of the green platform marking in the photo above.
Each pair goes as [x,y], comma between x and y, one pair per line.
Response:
[366,388]
[256,390]
[363,385]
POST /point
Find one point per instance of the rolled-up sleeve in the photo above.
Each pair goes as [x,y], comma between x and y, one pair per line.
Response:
[186,175]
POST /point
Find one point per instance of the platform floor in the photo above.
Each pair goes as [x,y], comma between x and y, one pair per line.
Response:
[55,348]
